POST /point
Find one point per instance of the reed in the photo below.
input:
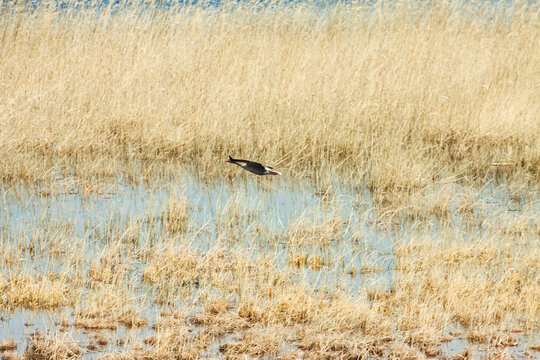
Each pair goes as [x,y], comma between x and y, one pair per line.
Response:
[393,97]
[417,104]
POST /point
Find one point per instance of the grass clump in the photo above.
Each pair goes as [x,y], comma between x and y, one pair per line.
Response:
[35,292]
[7,345]
[105,307]
[177,216]
[58,347]
[304,233]
[259,341]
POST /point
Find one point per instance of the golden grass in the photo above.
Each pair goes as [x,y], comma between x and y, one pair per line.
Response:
[461,280]
[416,108]
[246,301]
[262,307]
[36,292]
[6,345]
[177,215]
[57,347]
[107,306]
[258,341]
[400,99]
[11,355]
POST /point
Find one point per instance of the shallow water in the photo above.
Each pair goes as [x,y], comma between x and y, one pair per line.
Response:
[266,207]
[258,206]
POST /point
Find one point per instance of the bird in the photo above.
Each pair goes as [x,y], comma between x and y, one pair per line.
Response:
[253,167]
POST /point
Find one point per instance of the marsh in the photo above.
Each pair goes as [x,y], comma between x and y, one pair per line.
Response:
[405,223]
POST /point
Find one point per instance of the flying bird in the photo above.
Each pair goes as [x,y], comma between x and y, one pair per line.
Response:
[253,167]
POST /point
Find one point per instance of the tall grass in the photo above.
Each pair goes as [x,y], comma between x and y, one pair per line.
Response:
[394,97]
[397,97]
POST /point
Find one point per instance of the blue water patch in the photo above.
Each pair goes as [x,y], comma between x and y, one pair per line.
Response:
[495,8]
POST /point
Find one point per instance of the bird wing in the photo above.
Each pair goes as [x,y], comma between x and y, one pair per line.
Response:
[255,165]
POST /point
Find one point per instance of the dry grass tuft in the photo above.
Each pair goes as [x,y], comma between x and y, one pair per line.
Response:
[6,345]
[96,323]
[427,341]
[98,342]
[314,262]
[465,355]
[36,292]
[332,346]
[107,306]
[170,321]
[177,215]
[10,355]
[49,347]
[503,340]
[256,342]
[500,355]
[304,233]
[404,352]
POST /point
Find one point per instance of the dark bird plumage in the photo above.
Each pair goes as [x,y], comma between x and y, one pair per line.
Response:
[253,167]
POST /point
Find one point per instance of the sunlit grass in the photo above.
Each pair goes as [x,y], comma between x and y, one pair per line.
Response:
[419,112]
[396,100]
[486,286]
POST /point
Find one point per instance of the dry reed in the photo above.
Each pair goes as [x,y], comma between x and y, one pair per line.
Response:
[399,99]
[393,97]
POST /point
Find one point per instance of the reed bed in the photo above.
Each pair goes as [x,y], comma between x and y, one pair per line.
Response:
[417,129]
[393,97]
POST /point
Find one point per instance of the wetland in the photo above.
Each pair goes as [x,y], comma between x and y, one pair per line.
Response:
[406,224]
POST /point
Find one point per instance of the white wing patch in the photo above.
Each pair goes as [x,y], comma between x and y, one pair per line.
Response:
[272,171]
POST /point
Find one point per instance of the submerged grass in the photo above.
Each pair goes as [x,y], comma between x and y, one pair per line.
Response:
[396,97]
[236,297]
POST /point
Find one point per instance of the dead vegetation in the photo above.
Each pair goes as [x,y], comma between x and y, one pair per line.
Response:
[7,345]
[45,346]
[36,292]
[398,107]
[390,101]
[249,302]
[177,215]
